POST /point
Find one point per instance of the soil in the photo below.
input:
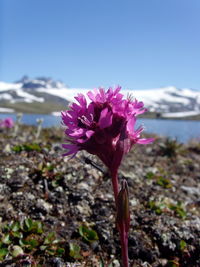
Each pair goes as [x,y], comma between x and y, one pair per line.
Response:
[63,193]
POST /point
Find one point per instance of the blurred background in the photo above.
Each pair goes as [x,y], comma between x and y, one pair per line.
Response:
[50,50]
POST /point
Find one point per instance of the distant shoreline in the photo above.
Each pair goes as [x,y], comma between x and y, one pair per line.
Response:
[147,115]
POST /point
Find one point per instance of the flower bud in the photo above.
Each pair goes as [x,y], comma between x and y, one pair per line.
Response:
[123,213]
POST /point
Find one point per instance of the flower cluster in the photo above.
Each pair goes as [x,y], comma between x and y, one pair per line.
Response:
[7,123]
[104,127]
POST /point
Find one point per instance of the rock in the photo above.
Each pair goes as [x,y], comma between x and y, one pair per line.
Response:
[191,190]
[43,205]
[83,185]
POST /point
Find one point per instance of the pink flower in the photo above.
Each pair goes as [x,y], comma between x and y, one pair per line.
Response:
[104,127]
[7,123]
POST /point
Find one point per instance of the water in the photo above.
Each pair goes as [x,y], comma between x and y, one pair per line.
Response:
[182,130]
[30,119]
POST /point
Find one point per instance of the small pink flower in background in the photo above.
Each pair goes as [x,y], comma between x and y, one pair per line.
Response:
[7,123]
[104,127]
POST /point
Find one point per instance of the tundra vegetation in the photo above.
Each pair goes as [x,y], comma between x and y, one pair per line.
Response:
[59,212]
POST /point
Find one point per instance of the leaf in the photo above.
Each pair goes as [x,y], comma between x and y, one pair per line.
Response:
[3,253]
[157,207]
[74,251]
[15,226]
[54,250]
[32,243]
[37,227]
[32,226]
[178,209]
[17,148]
[6,239]
[88,234]
[28,223]
[50,167]
[17,234]
[150,175]
[164,182]
[50,238]
[60,251]
[22,242]
[31,147]
[182,244]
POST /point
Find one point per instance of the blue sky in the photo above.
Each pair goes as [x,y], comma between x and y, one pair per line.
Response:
[138,44]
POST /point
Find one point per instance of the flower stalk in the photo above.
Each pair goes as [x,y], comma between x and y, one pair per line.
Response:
[17,124]
[39,127]
[123,220]
[115,186]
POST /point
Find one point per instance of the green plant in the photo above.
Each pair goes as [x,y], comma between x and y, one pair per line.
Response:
[164,182]
[28,237]
[27,147]
[182,245]
[88,234]
[159,179]
[74,251]
[156,207]
[149,175]
[170,148]
[178,209]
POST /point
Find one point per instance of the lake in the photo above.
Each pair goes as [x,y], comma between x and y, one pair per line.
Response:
[182,130]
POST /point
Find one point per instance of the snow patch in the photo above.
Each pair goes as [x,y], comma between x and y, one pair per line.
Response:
[6,110]
[28,97]
[180,114]
[5,96]
[56,113]
[9,86]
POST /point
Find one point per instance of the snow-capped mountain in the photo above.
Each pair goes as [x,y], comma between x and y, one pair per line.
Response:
[44,95]
[32,96]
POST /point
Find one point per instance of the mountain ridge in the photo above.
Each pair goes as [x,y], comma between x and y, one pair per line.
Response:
[45,95]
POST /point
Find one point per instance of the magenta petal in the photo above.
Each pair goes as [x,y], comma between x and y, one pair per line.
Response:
[131,124]
[145,141]
[105,119]
[72,149]
[77,132]
[92,95]
[102,94]
[81,99]
[90,110]
[117,89]
[89,133]
[75,107]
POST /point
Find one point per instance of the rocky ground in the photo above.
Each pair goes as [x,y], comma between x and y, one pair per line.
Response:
[60,212]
